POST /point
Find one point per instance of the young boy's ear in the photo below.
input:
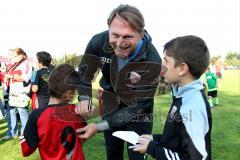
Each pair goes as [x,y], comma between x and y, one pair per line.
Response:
[68,95]
[183,69]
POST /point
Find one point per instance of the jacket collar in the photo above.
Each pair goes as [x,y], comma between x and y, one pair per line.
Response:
[143,52]
[187,89]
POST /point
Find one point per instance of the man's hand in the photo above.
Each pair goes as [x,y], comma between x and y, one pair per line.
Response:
[84,109]
[87,131]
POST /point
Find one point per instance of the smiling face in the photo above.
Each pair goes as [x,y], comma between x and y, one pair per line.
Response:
[123,37]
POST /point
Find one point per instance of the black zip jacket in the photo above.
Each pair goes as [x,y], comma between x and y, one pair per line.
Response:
[121,96]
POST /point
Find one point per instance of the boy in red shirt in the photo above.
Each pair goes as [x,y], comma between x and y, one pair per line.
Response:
[52,128]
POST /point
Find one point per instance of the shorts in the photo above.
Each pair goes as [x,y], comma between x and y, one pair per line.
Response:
[212,93]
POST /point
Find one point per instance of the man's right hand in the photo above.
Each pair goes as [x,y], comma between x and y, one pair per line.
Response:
[84,109]
[88,131]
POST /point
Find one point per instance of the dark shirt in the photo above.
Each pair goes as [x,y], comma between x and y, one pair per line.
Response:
[41,80]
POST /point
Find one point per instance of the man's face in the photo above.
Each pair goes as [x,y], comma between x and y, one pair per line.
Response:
[123,37]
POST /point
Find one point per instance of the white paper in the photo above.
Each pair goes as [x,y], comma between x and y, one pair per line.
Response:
[129,136]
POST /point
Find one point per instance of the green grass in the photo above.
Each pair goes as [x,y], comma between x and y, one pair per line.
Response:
[225,131]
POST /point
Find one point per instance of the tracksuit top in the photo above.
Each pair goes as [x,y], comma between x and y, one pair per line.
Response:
[187,130]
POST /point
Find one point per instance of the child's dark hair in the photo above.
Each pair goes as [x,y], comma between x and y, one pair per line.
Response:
[63,78]
[44,58]
[191,50]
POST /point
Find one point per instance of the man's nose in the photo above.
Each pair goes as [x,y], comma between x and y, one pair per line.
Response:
[119,42]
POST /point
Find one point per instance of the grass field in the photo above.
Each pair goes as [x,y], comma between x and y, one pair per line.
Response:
[225,131]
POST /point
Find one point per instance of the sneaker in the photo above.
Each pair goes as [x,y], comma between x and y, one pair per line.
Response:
[16,136]
[2,117]
[6,138]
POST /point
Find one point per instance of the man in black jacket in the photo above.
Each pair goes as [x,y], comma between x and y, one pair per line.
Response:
[130,66]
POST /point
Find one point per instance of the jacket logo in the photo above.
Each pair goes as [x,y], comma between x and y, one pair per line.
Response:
[105,60]
[172,113]
[134,77]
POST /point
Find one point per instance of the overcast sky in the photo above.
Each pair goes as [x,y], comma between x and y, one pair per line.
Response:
[65,26]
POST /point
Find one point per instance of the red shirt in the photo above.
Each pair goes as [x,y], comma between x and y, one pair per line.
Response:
[52,130]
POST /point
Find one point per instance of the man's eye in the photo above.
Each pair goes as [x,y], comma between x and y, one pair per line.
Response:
[128,37]
[114,36]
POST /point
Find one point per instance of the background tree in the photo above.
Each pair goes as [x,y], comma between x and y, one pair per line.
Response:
[69,58]
[232,59]
[214,59]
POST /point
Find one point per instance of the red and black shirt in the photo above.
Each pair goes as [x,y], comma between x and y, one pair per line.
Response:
[52,130]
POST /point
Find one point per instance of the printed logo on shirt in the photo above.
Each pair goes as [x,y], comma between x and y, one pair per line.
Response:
[134,77]
[172,113]
[45,77]
[209,77]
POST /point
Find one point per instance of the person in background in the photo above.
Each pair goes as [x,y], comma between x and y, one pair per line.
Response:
[40,80]
[2,112]
[33,95]
[212,89]
[18,76]
[219,67]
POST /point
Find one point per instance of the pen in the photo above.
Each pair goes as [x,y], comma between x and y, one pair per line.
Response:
[131,147]
[146,138]
[89,105]
[145,156]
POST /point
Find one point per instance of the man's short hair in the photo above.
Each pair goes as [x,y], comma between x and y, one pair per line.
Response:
[130,14]
[63,78]
[191,50]
[44,58]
